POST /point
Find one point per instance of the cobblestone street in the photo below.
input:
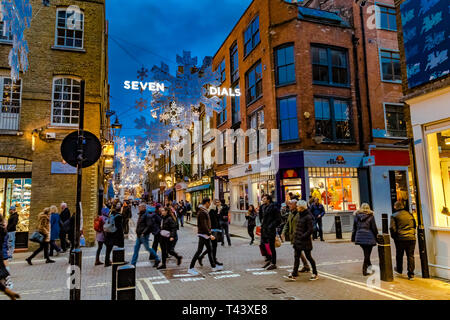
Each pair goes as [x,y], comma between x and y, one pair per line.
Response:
[339,265]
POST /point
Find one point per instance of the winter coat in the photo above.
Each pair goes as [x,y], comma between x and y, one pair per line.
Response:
[271,219]
[303,231]
[115,238]
[317,210]
[403,226]
[169,224]
[44,225]
[290,226]
[214,218]
[55,226]
[156,223]
[251,218]
[100,236]
[364,229]
[144,224]
[65,215]
[203,221]
[126,212]
[12,222]
[3,271]
[223,214]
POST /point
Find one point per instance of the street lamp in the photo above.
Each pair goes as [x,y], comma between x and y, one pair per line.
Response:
[116,126]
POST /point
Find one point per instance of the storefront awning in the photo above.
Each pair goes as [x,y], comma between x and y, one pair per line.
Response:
[203,187]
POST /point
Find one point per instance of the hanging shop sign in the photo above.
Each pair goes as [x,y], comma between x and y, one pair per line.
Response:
[214,91]
[139,85]
[8,167]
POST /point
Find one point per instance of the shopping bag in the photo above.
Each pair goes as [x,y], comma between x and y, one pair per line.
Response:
[258,231]
[277,241]
[262,248]
[37,237]
[267,247]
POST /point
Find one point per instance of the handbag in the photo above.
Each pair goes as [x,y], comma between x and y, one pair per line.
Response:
[277,241]
[218,235]
[165,233]
[37,237]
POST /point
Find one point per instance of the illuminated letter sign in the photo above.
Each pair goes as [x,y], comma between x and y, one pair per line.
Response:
[137,85]
[214,91]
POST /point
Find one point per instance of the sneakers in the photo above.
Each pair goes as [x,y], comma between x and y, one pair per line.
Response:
[290,278]
[217,268]
[193,272]
[305,269]
[268,263]
[272,267]
[219,263]
[8,283]
[396,271]
[314,277]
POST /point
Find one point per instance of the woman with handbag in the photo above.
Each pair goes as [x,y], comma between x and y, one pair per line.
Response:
[44,230]
[168,234]
[4,273]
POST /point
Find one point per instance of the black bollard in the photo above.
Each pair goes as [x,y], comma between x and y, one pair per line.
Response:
[117,261]
[75,275]
[338,227]
[385,223]
[384,254]
[126,283]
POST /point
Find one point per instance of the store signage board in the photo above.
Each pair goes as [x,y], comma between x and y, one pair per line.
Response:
[8,167]
[314,159]
[62,168]
[369,161]
[138,85]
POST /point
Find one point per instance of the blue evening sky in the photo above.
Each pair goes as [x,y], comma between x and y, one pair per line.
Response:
[146,32]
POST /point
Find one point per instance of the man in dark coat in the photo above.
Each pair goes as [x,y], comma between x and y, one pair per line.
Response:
[271,219]
[64,216]
[143,229]
[302,240]
[403,231]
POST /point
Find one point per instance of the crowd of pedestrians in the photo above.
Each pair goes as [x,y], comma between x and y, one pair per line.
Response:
[296,221]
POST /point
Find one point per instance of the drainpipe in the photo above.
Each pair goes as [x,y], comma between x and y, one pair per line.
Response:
[363,32]
[355,41]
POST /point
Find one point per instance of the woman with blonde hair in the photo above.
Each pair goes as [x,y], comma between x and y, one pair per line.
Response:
[44,229]
[365,233]
[55,229]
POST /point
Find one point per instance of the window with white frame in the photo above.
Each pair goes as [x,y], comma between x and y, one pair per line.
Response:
[69,28]
[66,101]
[256,123]
[10,103]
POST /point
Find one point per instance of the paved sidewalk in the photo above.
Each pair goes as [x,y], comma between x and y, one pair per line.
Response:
[339,266]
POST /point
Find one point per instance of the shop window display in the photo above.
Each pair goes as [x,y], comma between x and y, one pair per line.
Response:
[336,188]
[16,192]
[438,149]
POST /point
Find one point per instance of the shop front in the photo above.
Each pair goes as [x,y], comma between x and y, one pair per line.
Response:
[334,178]
[15,190]
[432,147]
[180,189]
[391,181]
[198,190]
[290,178]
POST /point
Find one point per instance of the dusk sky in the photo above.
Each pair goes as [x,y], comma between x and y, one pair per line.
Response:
[146,32]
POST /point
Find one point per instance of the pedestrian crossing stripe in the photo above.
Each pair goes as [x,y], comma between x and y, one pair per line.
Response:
[254,269]
[191,279]
[221,272]
[182,275]
[264,273]
[234,275]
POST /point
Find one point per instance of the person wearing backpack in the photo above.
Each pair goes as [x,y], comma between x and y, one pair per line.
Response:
[144,227]
[99,222]
[113,229]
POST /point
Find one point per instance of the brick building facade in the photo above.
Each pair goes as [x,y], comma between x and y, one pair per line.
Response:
[60,56]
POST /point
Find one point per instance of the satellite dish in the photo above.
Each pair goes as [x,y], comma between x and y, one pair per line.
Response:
[92,149]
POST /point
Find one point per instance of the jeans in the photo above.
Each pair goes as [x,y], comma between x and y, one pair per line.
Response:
[250,230]
[99,250]
[225,231]
[43,246]
[144,239]
[180,219]
[11,243]
[167,248]
[405,246]
[202,242]
[318,228]
[367,249]
[298,255]
[213,250]
[156,242]
[53,246]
